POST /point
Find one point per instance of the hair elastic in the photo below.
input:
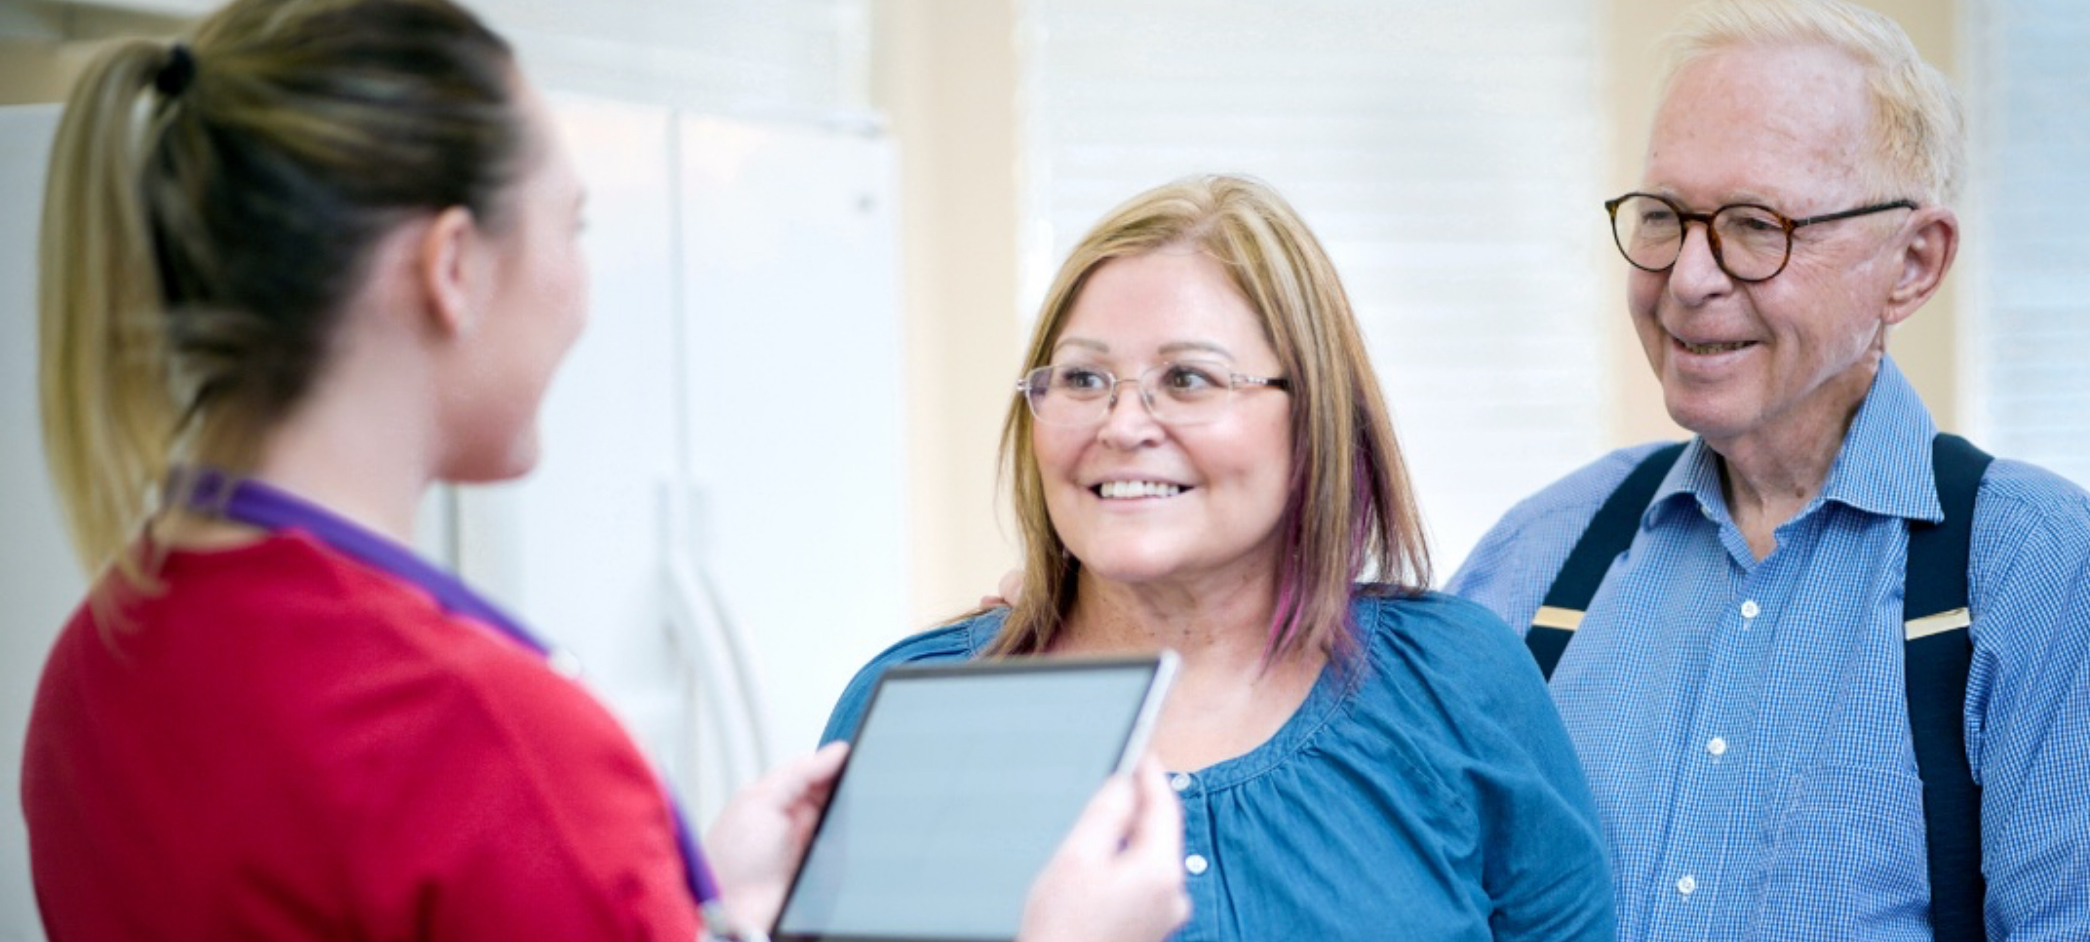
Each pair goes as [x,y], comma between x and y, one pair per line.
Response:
[178,71]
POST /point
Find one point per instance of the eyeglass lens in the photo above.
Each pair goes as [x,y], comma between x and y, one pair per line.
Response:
[1181,393]
[1749,242]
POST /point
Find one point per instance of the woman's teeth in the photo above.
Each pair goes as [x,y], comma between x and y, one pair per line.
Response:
[1118,490]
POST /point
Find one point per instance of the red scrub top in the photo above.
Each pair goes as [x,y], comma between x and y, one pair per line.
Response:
[289,744]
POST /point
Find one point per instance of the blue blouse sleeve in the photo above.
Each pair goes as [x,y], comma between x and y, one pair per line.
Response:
[949,643]
[1545,867]
[1554,879]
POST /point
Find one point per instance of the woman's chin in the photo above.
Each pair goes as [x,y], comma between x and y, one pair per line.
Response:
[1132,570]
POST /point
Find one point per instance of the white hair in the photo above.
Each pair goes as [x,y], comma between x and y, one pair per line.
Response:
[1918,132]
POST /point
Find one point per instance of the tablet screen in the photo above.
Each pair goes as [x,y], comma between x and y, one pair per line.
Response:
[961,783]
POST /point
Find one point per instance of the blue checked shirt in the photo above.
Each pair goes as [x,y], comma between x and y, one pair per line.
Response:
[1743,722]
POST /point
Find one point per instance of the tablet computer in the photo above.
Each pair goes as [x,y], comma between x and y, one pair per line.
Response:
[962,781]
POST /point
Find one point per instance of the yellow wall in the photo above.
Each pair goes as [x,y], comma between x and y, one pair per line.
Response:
[29,73]
[944,72]
[1924,346]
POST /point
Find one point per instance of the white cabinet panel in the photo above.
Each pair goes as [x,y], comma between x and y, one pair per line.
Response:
[793,358]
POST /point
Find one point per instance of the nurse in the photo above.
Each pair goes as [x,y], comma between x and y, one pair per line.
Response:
[1202,461]
[294,272]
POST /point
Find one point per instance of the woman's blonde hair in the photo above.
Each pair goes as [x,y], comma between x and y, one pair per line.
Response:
[1918,132]
[210,208]
[1350,513]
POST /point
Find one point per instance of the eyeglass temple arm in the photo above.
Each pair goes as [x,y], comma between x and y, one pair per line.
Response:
[1860,211]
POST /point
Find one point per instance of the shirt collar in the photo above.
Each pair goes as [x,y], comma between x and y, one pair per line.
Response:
[1884,466]
[981,632]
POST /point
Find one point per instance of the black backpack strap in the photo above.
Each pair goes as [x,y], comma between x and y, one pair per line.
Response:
[1608,535]
[1937,654]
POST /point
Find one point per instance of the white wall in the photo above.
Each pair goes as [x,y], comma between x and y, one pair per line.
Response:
[39,583]
[766,58]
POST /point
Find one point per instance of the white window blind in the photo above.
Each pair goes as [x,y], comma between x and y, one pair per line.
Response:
[2029,231]
[1447,154]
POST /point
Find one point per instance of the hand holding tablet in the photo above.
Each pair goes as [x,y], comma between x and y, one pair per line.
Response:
[761,835]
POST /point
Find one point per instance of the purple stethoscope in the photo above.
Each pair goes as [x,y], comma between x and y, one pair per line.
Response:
[259,505]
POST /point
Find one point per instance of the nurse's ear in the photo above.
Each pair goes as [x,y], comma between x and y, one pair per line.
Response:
[453,268]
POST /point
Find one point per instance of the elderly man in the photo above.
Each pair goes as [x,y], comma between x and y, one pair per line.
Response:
[1743,624]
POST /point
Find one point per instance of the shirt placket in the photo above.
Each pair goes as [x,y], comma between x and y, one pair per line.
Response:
[1200,866]
[1712,759]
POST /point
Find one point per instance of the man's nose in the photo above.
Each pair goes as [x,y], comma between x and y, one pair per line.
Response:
[1698,270]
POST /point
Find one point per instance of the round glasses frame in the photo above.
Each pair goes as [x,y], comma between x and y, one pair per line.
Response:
[1711,222]
[1221,383]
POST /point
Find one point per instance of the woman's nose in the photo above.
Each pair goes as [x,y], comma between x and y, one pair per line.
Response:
[1129,421]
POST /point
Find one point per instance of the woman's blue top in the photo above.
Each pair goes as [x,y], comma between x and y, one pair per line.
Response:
[1424,790]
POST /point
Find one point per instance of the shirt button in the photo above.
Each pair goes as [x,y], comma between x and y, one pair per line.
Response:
[1750,609]
[565,662]
[1181,781]
[1196,864]
[1716,746]
[1686,885]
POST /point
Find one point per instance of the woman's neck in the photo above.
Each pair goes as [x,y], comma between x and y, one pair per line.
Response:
[1224,623]
[355,492]
[372,494]
[360,446]
[1228,697]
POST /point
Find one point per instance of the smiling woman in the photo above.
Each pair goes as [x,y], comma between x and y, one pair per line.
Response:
[1353,751]
[1222,269]
[1203,514]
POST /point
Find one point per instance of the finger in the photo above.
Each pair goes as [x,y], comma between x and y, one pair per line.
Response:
[1155,844]
[824,763]
[1157,828]
[822,767]
[809,774]
[1105,821]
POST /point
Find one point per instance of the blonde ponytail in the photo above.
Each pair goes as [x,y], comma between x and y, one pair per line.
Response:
[209,213]
[109,416]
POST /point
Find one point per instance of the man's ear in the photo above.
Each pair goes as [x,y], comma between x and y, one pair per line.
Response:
[1933,243]
[449,270]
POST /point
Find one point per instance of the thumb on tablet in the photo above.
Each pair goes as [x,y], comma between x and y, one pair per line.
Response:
[1157,825]
[1119,873]
[1107,822]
